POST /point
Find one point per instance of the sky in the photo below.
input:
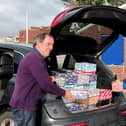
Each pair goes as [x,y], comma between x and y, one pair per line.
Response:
[40,13]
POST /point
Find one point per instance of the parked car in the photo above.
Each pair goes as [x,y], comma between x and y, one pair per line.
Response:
[78,36]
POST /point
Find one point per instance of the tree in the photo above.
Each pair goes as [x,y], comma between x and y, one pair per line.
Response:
[95,2]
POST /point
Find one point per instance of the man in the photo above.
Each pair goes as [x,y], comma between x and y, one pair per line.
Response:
[119,85]
[32,81]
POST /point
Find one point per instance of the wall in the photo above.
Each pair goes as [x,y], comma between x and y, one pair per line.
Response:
[31,34]
[120,70]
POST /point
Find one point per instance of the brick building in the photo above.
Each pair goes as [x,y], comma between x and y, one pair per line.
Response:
[31,33]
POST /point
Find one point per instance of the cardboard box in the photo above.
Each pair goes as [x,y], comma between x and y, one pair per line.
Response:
[88,101]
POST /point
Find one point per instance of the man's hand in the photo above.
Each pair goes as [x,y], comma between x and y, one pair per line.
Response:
[68,95]
[117,86]
[53,78]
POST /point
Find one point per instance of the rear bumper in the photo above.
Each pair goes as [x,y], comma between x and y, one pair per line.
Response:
[107,115]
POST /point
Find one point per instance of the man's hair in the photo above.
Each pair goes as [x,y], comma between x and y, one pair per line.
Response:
[40,37]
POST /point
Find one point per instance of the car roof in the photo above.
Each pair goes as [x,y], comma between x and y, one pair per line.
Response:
[22,48]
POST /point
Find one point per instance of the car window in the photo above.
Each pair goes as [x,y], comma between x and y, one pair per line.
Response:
[14,55]
[65,61]
[60,60]
[6,65]
[94,31]
[8,53]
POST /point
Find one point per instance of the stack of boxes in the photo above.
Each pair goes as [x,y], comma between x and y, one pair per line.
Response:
[82,82]
[89,86]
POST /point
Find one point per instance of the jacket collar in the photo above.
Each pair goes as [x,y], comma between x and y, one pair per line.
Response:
[36,50]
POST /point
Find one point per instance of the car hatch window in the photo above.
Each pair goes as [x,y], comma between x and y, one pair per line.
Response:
[94,31]
[65,61]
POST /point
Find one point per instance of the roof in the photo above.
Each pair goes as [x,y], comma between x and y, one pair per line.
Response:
[17,47]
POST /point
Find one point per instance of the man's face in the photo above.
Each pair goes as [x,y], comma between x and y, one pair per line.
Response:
[46,46]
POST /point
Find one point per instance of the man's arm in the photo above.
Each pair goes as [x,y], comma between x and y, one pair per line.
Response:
[40,73]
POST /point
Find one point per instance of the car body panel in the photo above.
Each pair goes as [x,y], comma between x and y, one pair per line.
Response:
[104,15]
[22,48]
[111,17]
[102,116]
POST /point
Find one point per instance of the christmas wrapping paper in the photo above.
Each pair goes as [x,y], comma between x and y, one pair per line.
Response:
[76,80]
[74,107]
[89,70]
[84,94]
[82,79]
[83,67]
[105,94]
[69,78]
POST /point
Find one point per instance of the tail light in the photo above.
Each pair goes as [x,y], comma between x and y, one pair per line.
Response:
[123,113]
[79,124]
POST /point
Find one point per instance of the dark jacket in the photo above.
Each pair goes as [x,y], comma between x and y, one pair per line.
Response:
[32,81]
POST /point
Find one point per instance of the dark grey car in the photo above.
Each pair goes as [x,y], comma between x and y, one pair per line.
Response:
[75,31]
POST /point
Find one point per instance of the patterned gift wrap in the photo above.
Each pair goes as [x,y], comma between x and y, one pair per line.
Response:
[84,94]
[86,97]
[78,87]
[86,86]
[91,81]
[80,94]
[105,94]
[88,101]
[84,67]
[73,79]
[92,84]
[86,80]
[70,79]
[70,87]
[74,107]
[89,92]
[93,92]
[82,79]
[92,77]
[89,71]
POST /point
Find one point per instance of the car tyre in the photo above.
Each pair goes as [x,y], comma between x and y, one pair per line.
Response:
[6,119]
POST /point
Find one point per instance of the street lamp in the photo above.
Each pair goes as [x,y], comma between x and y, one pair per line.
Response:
[26,27]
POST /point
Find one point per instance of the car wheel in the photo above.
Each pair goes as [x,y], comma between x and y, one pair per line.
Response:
[6,119]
